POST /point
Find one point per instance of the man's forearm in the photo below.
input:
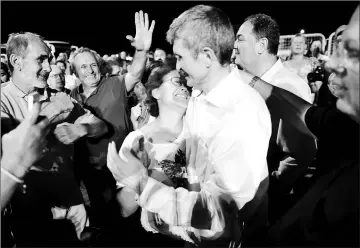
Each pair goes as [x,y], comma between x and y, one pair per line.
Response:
[136,69]
[282,103]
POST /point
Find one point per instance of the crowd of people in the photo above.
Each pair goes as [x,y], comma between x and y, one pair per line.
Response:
[219,144]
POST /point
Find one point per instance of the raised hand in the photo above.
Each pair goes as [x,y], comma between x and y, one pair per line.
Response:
[143,35]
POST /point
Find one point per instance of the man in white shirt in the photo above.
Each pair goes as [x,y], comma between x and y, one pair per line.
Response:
[256,46]
[229,128]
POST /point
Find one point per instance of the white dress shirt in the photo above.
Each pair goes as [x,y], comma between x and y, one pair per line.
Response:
[228,132]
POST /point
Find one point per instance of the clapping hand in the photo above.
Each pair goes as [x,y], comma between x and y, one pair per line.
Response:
[128,168]
[143,35]
[68,133]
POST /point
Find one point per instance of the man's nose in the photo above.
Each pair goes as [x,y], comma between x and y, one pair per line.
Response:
[334,65]
[46,66]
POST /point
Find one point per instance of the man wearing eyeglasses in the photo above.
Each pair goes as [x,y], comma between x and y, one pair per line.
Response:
[56,80]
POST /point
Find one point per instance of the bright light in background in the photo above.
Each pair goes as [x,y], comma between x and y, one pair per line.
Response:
[302,31]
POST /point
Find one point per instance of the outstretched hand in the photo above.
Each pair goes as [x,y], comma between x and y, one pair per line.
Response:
[143,35]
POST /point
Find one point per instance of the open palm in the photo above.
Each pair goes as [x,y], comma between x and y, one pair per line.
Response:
[143,35]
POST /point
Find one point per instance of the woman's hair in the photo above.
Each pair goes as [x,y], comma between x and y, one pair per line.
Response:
[155,81]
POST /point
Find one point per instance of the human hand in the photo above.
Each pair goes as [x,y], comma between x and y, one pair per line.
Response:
[128,169]
[135,112]
[58,108]
[143,35]
[23,146]
[68,133]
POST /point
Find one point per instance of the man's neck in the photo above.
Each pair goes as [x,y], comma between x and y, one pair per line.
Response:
[23,86]
[215,77]
[87,90]
[265,63]
[172,120]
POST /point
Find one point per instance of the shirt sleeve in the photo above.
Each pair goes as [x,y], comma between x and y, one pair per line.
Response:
[238,155]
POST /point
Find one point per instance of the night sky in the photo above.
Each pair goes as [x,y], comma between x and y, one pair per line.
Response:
[103,26]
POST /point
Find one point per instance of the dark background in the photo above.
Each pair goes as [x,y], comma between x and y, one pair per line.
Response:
[103,26]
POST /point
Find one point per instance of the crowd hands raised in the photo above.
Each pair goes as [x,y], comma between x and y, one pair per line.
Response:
[211,146]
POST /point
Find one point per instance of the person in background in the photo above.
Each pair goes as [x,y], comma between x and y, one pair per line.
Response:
[5,74]
[159,54]
[290,152]
[325,216]
[62,65]
[56,80]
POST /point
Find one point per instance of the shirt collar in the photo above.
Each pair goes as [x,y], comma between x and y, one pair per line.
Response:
[271,73]
[19,93]
[80,89]
[226,93]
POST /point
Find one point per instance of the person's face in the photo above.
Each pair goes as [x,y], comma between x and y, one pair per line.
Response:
[4,76]
[87,69]
[61,66]
[246,47]
[35,67]
[123,55]
[298,45]
[173,92]
[61,56]
[314,45]
[194,69]
[56,78]
[345,64]
[159,54]
[115,70]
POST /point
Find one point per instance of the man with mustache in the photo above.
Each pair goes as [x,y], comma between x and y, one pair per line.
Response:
[51,190]
[56,80]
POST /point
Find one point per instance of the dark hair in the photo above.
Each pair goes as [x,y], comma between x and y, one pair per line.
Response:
[154,82]
[5,68]
[61,61]
[266,27]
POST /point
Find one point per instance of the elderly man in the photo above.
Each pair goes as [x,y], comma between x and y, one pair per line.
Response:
[229,128]
[51,189]
[107,98]
[328,214]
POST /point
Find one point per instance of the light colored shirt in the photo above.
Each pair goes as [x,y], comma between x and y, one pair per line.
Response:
[299,147]
[228,132]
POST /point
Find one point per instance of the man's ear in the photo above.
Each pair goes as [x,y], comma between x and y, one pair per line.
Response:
[208,56]
[262,45]
[155,93]
[16,61]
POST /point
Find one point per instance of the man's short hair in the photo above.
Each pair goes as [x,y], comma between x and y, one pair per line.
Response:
[61,61]
[17,44]
[266,27]
[204,26]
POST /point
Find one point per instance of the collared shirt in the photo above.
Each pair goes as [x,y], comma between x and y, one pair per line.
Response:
[297,148]
[109,102]
[228,132]
[14,108]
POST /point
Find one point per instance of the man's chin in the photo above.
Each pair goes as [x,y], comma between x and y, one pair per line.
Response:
[40,84]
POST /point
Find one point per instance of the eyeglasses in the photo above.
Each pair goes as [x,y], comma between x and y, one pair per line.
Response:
[175,81]
[60,75]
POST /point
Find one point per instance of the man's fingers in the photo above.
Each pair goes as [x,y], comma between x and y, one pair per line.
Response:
[152,26]
[34,114]
[146,21]
[137,21]
[130,38]
[141,15]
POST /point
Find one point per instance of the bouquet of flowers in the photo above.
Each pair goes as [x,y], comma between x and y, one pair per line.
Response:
[176,170]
